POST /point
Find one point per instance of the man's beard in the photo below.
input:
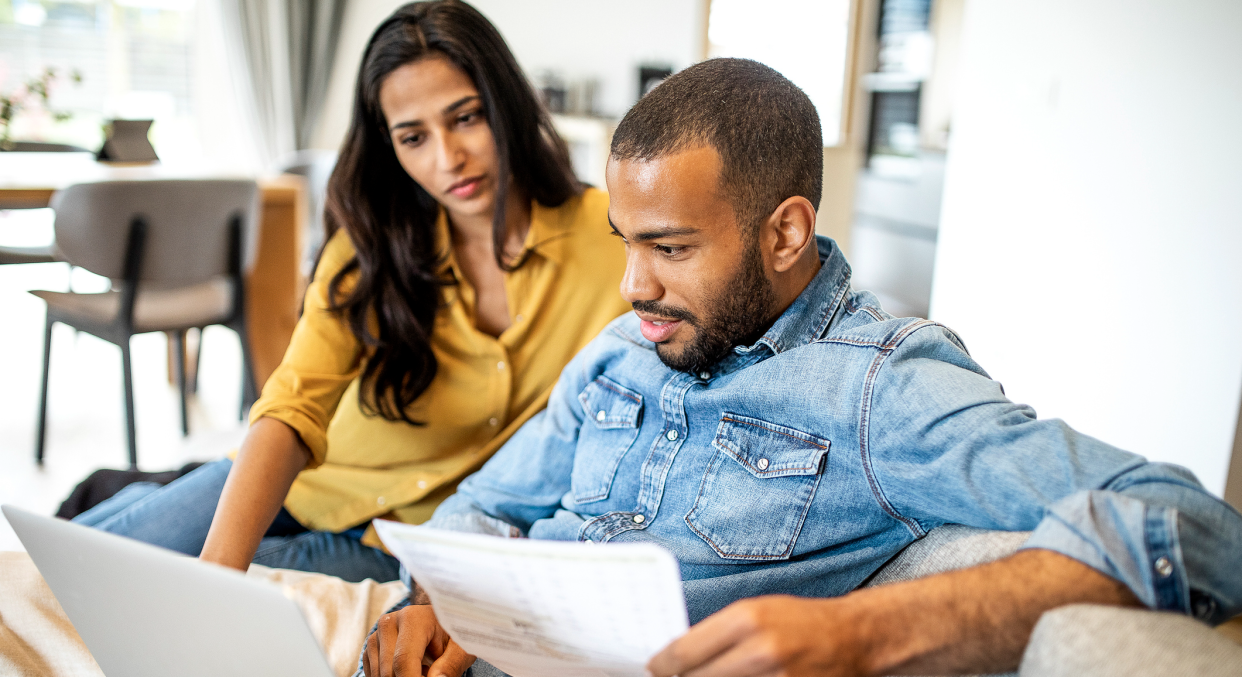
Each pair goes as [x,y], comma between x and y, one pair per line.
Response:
[739,313]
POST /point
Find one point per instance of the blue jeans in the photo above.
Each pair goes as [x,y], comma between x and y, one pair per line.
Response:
[178,516]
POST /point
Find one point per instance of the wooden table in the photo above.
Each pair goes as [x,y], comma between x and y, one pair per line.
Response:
[274,286]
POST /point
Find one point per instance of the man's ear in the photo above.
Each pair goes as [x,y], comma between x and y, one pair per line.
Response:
[790,230]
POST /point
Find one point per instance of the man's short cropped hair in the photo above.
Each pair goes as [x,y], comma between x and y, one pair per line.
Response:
[765,129]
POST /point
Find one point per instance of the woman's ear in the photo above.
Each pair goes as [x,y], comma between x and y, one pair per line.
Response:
[791,229]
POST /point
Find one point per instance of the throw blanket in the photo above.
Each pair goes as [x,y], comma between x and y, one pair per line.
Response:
[37,639]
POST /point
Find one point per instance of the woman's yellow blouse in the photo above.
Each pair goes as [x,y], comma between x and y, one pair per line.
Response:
[364,466]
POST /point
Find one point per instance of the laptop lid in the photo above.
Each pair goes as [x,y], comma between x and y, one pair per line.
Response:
[148,612]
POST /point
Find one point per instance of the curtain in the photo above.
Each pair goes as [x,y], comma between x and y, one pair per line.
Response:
[283,50]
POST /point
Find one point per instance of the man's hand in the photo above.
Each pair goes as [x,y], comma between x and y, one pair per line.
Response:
[975,620]
[410,639]
[775,635]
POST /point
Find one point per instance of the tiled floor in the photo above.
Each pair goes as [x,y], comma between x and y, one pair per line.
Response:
[86,419]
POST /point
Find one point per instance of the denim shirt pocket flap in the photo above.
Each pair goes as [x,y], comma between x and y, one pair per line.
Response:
[609,405]
[613,413]
[760,470]
[770,450]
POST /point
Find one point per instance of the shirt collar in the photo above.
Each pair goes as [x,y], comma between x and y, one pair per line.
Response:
[807,318]
[546,237]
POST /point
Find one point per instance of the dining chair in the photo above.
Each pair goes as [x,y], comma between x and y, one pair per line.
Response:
[177,252]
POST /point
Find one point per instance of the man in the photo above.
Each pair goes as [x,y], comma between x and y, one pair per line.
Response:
[782,435]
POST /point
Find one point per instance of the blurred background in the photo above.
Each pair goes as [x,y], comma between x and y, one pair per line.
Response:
[1059,181]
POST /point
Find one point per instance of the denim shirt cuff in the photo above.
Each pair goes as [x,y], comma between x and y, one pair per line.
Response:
[1124,538]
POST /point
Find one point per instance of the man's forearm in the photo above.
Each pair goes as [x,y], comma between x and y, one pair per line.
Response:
[972,620]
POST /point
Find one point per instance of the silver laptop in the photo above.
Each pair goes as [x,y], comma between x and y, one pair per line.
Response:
[147,612]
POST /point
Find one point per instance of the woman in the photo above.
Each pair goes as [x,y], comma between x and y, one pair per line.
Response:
[464,266]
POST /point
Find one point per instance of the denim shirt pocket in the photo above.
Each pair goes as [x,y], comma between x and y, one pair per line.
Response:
[760,470]
[613,413]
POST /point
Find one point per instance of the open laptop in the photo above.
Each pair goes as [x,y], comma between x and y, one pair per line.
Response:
[148,612]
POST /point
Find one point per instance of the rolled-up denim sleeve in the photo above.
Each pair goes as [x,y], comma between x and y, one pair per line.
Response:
[1158,532]
[945,445]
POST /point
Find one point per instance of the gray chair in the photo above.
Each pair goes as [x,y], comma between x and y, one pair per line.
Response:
[176,252]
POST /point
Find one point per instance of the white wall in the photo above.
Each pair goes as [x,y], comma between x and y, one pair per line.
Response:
[605,39]
[1090,248]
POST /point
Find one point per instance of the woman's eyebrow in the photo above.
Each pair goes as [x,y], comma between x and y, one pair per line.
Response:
[461,102]
[447,110]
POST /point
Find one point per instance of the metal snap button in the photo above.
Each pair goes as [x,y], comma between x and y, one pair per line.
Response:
[1164,567]
[763,464]
[671,435]
[601,416]
[639,519]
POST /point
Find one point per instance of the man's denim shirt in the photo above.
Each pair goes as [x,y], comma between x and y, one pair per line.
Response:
[802,463]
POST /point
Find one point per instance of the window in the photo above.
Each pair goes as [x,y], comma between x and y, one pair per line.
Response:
[136,60]
[806,40]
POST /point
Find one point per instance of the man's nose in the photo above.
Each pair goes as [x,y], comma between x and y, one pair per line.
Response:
[640,282]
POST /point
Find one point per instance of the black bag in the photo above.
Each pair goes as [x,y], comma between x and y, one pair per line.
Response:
[105,483]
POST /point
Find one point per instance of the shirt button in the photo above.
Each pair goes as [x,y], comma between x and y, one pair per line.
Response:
[763,464]
[639,519]
[519,318]
[493,421]
[705,375]
[422,484]
[601,416]
[1164,567]
[671,435]
[500,366]
[380,501]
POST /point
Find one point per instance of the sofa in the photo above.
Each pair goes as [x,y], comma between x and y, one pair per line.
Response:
[1079,640]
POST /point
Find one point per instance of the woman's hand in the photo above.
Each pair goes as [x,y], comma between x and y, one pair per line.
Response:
[271,457]
[407,640]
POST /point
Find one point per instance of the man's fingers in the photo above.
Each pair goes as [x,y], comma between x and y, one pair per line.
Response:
[704,641]
[452,663]
[370,649]
[753,657]
[385,637]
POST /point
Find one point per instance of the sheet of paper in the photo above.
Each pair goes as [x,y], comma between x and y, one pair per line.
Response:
[546,608]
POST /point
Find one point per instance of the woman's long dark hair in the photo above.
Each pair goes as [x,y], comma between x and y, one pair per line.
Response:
[390,219]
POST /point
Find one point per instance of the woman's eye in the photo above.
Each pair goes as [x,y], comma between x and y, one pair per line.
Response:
[467,118]
[412,140]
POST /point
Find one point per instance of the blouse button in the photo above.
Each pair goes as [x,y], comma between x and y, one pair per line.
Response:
[763,464]
[672,435]
[422,484]
[493,421]
[500,366]
[519,318]
[379,501]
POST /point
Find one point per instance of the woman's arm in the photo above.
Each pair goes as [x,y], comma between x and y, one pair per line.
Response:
[271,457]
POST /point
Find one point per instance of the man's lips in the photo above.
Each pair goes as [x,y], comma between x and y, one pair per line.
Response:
[655,328]
[466,187]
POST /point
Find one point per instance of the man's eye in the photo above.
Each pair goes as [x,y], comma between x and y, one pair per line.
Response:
[669,250]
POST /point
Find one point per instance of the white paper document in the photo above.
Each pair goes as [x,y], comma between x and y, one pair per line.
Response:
[546,608]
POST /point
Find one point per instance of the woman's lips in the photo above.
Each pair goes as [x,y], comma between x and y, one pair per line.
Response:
[658,331]
[466,188]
